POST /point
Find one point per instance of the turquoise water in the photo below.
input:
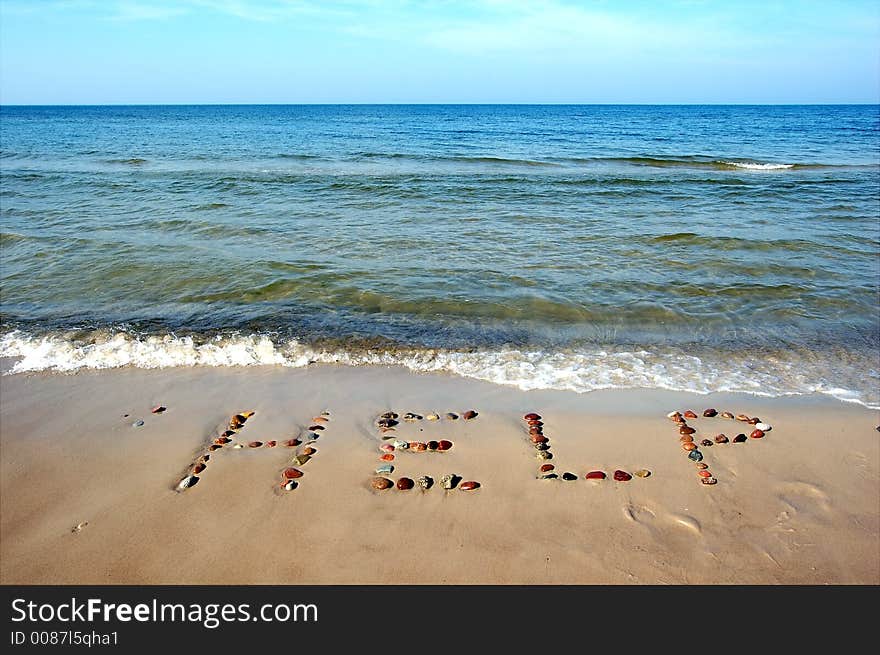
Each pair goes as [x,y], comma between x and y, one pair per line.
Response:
[578,247]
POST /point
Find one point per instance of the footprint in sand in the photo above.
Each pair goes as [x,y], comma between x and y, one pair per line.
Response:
[806,498]
[638,513]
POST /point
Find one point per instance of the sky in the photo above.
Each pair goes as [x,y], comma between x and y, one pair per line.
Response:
[439,51]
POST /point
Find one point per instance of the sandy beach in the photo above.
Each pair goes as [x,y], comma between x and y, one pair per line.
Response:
[799,506]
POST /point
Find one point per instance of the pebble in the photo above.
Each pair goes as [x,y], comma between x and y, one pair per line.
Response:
[686,438]
[291,473]
[695,455]
[673,415]
[400,445]
[137,424]
[222,440]
[543,454]
[690,445]
[433,417]
[538,438]
[757,434]
[405,484]
[271,444]
[548,476]
[706,442]
[320,419]
[302,459]
[701,466]
[418,446]
[709,481]
[709,413]
[388,415]
[214,447]
[444,445]
[469,485]
[690,414]
[255,444]
[387,457]
[742,417]
[569,476]
[238,446]
[721,438]
[622,476]
[432,445]
[316,428]
[385,469]
[595,475]
[536,430]
[546,468]
[754,420]
[542,446]
[467,416]
[686,429]
[409,416]
[381,483]
[290,485]
[198,468]
[158,409]
[727,415]
[187,482]
[763,426]
[451,416]
[704,473]
[79,526]
[532,417]
[448,481]
[739,438]
[643,473]
[292,443]
[425,482]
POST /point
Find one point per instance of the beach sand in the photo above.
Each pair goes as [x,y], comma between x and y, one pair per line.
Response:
[801,505]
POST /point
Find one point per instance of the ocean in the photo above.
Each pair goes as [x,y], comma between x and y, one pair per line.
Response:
[698,248]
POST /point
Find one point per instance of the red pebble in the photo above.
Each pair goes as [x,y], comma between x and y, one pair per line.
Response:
[532,417]
[757,434]
[255,444]
[270,444]
[686,429]
[292,473]
[538,438]
[709,413]
[469,485]
[292,443]
[198,468]
[546,467]
[622,476]
[387,447]
[596,475]
[387,457]
[689,414]
[405,483]
[444,445]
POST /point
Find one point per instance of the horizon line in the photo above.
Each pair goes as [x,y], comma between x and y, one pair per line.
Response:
[487,104]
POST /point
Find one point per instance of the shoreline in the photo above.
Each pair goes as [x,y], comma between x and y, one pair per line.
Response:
[796,507]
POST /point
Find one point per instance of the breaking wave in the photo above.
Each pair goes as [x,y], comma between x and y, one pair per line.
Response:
[580,370]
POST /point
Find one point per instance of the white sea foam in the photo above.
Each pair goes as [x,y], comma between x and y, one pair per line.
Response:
[574,370]
[757,166]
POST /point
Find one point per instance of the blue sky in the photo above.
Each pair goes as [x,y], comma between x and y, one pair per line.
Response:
[316,51]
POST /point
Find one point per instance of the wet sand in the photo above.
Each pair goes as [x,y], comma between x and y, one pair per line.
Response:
[801,505]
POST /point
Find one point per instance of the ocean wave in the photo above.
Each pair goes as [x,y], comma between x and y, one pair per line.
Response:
[579,370]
